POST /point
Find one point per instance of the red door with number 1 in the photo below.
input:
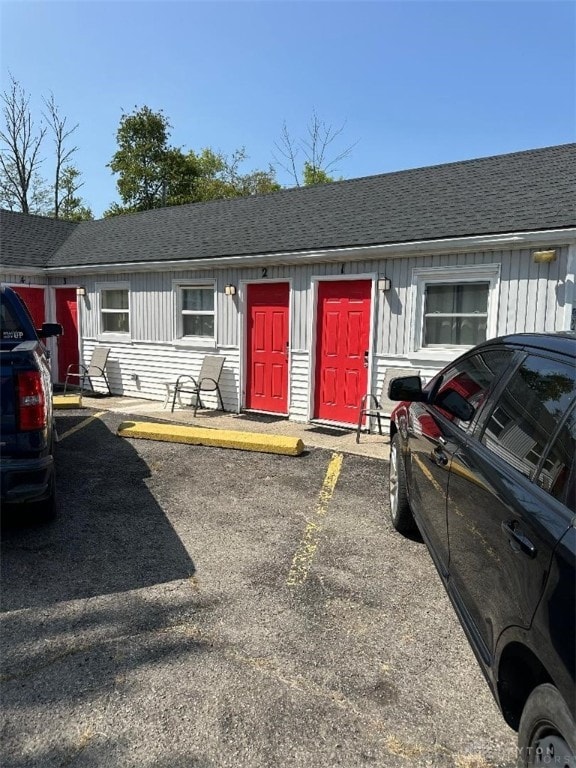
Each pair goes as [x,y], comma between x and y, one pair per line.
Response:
[342,346]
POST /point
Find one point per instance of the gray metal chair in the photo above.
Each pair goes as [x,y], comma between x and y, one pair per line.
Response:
[378,406]
[96,369]
[207,381]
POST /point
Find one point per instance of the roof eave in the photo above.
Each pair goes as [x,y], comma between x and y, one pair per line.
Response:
[353,253]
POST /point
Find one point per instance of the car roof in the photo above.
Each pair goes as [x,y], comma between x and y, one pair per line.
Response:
[563,342]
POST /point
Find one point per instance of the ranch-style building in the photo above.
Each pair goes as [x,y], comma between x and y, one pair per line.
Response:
[312,293]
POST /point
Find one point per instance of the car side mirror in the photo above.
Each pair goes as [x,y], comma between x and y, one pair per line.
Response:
[49,329]
[406,388]
[456,405]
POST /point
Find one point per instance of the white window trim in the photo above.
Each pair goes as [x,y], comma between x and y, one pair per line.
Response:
[423,276]
[192,341]
[107,335]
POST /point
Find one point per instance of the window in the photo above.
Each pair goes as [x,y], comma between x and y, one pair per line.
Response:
[455,314]
[530,410]
[558,473]
[455,307]
[471,378]
[114,310]
[196,312]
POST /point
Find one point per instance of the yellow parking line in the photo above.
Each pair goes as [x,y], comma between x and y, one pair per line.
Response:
[302,560]
[80,426]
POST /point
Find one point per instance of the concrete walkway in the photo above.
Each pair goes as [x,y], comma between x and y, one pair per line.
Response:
[312,435]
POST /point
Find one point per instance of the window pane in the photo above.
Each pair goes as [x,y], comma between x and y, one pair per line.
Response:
[444,305]
[115,299]
[558,474]
[115,322]
[198,325]
[453,299]
[198,299]
[454,330]
[10,325]
[472,378]
[529,411]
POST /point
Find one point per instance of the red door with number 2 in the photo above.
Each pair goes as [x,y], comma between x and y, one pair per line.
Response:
[267,347]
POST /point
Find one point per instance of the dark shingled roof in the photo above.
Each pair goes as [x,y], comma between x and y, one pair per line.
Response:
[30,241]
[523,191]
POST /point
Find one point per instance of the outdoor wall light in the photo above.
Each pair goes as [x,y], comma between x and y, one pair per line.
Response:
[543,257]
[230,290]
[81,291]
[384,284]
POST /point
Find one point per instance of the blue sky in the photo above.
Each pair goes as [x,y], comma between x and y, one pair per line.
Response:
[417,83]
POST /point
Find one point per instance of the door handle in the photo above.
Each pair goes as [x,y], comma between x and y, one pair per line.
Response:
[519,542]
[439,457]
[366,359]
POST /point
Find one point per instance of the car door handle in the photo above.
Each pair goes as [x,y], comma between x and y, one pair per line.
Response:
[439,457]
[519,542]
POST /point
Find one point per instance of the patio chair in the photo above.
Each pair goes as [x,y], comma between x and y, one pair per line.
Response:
[207,381]
[378,406]
[95,370]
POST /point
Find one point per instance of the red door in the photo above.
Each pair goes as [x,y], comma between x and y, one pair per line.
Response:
[34,300]
[67,316]
[267,347]
[342,344]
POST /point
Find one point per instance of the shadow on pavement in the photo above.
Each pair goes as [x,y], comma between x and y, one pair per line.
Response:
[110,535]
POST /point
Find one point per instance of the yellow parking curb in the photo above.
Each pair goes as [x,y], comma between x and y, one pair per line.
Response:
[61,402]
[218,438]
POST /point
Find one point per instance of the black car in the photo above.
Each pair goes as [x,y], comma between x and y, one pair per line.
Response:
[482,462]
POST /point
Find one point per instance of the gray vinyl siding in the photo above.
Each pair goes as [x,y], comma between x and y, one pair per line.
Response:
[299,385]
[16,279]
[527,297]
[154,365]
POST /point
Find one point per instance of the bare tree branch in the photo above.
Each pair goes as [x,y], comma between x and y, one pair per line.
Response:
[63,155]
[314,147]
[289,151]
[19,155]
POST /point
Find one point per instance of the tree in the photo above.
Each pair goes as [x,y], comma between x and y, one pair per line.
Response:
[22,186]
[317,167]
[63,155]
[153,174]
[20,154]
[142,159]
[220,176]
[71,206]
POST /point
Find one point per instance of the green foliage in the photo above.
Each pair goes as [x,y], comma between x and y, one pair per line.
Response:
[314,175]
[71,205]
[153,174]
[141,159]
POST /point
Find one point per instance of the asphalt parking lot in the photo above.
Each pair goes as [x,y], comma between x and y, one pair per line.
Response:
[200,607]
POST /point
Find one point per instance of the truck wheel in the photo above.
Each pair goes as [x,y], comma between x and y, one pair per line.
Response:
[547,733]
[400,512]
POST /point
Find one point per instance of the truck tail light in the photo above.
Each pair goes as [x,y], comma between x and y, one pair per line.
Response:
[32,412]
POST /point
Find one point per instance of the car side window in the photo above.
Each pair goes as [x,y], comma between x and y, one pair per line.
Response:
[529,411]
[472,378]
[10,324]
[557,474]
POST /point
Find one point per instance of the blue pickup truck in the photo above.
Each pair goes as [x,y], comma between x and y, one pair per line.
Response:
[27,432]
